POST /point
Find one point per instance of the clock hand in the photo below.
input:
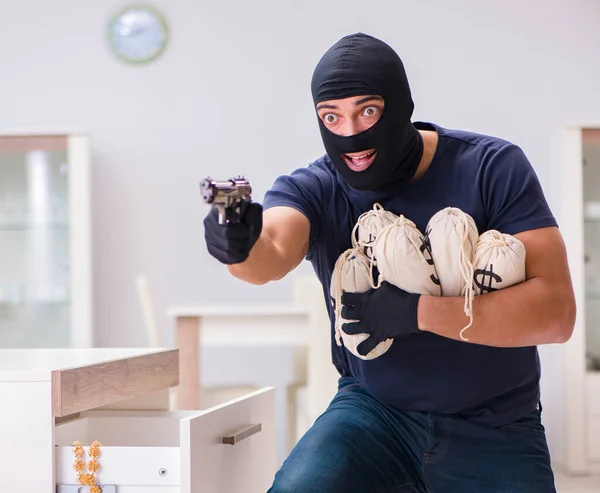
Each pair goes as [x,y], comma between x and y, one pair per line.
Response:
[128,31]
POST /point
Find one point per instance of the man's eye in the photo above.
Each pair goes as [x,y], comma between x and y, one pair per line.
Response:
[370,111]
[330,118]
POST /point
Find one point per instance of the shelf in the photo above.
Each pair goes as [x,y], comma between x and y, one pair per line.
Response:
[29,227]
[19,297]
[591,212]
[592,362]
[34,304]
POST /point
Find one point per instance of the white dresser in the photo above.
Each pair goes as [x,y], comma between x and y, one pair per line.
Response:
[51,398]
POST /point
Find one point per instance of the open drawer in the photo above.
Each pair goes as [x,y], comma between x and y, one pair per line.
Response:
[229,448]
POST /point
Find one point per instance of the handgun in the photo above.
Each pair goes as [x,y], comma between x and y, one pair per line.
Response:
[227,196]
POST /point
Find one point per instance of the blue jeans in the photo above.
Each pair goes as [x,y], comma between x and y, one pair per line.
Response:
[359,445]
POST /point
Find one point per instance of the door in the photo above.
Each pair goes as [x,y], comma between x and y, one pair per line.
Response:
[34,242]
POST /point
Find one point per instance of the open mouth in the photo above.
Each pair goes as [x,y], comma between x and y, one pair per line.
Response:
[360,161]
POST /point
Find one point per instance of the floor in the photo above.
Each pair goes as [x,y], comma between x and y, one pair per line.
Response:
[590,484]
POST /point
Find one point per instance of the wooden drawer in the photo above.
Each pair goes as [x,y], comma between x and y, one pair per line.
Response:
[178,451]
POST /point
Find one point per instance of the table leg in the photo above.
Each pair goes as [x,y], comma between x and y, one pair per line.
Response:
[188,343]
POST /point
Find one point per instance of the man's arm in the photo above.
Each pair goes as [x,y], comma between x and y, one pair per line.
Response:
[282,245]
[540,310]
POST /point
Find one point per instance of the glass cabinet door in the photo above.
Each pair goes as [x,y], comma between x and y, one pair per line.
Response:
[35,285]
[591,208]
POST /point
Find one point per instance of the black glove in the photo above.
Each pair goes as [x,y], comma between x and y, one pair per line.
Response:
[231,243]
[385,313]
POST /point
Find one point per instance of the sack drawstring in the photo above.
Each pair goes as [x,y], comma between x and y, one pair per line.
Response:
[377,214]
[466,270]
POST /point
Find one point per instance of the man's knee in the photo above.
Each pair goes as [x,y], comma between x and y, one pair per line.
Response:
[325,459]
[353,447]
[295,478]
[337,455]
[317,464]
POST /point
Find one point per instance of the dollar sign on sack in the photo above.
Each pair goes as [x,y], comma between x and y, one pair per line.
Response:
[368,245]
[484,278]
[426,247]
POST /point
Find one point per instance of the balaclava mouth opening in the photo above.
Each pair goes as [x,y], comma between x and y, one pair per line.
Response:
[361,65]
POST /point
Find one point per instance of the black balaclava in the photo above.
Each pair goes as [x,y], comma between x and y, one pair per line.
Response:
[360,65]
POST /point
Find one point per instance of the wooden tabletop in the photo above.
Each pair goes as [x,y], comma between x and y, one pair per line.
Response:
[237,310]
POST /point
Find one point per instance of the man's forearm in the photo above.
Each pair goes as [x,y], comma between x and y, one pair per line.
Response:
[264,263]
[528,314]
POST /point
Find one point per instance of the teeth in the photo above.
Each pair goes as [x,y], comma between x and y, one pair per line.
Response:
[362,155]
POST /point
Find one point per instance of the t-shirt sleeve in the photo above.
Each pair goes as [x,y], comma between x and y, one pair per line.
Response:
[303,190]
[512,194]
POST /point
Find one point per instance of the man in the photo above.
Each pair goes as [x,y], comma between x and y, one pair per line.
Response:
[434,413]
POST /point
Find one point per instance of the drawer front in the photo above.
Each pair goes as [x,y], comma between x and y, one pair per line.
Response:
[230,448]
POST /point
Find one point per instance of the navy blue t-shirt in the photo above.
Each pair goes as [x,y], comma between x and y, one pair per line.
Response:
[493,181]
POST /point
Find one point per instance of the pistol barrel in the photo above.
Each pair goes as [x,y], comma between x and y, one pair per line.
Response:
[226,195]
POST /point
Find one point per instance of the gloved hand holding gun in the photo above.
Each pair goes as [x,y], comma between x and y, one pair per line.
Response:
[234,222]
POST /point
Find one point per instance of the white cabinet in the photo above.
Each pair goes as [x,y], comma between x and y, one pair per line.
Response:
[591,243]
[577,434]
[45,246]
[50,399]
[226,448]
[593,418]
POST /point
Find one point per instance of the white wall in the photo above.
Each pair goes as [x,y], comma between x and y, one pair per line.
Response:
[231,96]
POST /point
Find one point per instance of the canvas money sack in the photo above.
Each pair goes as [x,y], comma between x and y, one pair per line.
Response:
[452,235]
[352,274]
[368,227]
[403,258]
[498,262]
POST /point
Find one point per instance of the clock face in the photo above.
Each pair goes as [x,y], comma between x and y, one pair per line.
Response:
[138,34]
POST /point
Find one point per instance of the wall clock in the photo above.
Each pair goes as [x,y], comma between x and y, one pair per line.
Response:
[137,34]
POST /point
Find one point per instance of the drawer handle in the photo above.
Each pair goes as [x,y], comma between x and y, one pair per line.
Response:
[75,488]
[242,434]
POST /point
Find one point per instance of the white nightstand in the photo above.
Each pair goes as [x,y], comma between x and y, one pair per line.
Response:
[51,398]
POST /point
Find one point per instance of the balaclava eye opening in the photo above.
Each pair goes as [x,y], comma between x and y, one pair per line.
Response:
[361,65]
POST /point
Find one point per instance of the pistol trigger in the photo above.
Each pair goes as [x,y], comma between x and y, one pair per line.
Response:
[232,215]
[243,207]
